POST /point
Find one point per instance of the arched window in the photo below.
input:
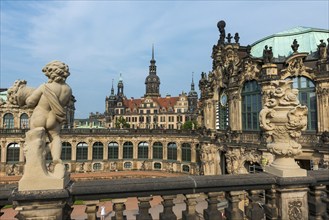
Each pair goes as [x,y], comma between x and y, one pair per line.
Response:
[8,121]
[98,151]
[307,97]
[82,151]
[222,112]
[157,166]
[186,168]
[143,149]
[24,121]
[251,105]
[128,150]
[13,153]
[157,150]
[66,151]
[172,151]
[113,150]
[186,152]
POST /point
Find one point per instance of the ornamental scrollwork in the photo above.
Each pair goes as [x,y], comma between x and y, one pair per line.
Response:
[295,210]
[283,118]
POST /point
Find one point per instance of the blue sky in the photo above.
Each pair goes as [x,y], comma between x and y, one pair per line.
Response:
[101,39]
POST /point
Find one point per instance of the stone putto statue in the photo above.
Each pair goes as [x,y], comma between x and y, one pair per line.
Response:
[48,101]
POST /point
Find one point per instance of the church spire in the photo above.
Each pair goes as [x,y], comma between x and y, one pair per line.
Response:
[153,67]
[192,84]
[112,89]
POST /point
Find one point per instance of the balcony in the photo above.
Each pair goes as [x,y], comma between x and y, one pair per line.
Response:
[249,196]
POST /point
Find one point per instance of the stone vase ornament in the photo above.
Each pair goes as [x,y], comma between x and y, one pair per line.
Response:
[283,118]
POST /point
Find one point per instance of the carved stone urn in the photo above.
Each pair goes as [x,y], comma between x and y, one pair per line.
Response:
[283,119]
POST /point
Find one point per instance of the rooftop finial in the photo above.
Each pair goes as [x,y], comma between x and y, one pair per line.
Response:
[152,51]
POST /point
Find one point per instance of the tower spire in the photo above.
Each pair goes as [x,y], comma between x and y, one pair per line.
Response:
[152,51]
[112,90]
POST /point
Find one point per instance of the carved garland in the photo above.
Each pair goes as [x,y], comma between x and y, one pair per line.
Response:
[295,210]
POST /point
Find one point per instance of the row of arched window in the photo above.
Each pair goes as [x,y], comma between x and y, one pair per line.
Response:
[113,151]
[8,121]
[251,104]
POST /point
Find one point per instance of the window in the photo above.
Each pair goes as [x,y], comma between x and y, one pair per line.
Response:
[13,153]
[157,166]
[222,112]
[186,168]
[128,150]
[251,105]
[186,152]
[24,121]
[82,151]
[127,165]
[157,150]
[97,166]
[172,151]
[8,121]
[143,150]
[66,151]
[113,150]
[98,151]
[307,97]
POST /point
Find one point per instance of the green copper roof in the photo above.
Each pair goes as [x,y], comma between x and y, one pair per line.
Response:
[308,40]
[3,95]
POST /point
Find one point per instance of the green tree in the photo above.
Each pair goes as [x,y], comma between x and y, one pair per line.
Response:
[121,123]
[188,125]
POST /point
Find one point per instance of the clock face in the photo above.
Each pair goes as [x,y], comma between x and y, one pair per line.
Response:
[223,99]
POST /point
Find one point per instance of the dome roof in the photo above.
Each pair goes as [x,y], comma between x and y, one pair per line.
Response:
[152,78]
[307,38]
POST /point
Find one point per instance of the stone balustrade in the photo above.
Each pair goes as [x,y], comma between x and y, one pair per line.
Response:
[248,196]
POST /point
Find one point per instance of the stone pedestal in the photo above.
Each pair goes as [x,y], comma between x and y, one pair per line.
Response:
[270,69]
[292,203]
[36,176]
[285,167]
[42,205]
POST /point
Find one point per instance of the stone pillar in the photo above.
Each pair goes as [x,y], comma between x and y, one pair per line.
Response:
[292,203]
[21,152]
[190,212]
[168,205]
[179,152]
[271,209]
[106,151]
[150,150]
[193,153]
[120,156]
[118,207]
[53,204]
[212,213]
[232,211]
[322,96]
[254,210]
[144,206]
[90,151]
[316,204]
[91,209]
[165,151]
[234,106]
[74,151]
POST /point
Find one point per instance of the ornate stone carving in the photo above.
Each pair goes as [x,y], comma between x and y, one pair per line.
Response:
[236,158]
[208,154]
[295,210]
[283,119]
[48,102]
[322,52]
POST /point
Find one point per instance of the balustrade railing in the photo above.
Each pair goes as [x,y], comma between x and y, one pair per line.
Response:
[248,196]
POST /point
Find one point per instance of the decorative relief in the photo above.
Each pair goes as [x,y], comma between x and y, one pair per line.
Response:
[236,158]
[283,118]
[295,210]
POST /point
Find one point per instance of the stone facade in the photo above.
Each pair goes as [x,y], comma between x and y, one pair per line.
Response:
[237,87]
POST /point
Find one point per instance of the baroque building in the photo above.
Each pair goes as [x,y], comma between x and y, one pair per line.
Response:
[151,111]
[234,92]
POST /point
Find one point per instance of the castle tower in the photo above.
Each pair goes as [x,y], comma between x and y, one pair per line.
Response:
[152,81]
